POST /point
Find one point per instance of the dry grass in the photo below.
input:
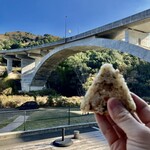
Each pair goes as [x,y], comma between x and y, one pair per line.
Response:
[2,68]
[13,101]
[17,100]
[14,76]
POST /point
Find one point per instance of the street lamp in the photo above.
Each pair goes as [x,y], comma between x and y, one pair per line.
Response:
[66,31]
[65,27]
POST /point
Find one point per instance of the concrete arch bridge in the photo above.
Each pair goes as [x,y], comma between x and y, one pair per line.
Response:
[130,35]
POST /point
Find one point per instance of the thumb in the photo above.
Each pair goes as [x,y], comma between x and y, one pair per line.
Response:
[121,116]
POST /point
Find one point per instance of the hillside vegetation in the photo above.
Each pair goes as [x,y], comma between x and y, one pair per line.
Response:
[73,76]
[13,40]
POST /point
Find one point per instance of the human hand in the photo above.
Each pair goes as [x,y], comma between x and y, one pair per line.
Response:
[122,130]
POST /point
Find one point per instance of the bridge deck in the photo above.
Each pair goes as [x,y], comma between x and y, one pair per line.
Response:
[90,140]
[139,22]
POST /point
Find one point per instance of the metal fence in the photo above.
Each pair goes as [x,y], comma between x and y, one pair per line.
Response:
[19,120]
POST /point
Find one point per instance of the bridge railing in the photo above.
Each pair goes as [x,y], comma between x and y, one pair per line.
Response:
[23,120]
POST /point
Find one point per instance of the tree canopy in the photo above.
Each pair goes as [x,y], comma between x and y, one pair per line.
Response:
[74,75]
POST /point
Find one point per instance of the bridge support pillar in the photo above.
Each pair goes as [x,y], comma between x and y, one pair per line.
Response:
[27,65]
[137,37]
[26,83]
[9,65]
[126,36]
[9,59]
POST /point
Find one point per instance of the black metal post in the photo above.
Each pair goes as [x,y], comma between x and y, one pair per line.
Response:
[63,142]
[69,115]
[63,134]
[24,120]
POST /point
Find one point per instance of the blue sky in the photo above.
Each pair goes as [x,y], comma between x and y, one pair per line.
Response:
[48,16]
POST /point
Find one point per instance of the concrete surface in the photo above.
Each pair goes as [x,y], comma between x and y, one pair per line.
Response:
[88,141]
[15,124]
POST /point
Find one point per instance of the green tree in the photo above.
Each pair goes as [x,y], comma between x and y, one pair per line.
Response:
[74,75]
[16,45]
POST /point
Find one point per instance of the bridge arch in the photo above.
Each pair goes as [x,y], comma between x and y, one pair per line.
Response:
[58,54]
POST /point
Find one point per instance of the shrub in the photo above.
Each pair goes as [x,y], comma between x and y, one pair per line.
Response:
[62,101]
[12,101]
[52,100]
[1,104]
[10,104]
[11,83]
[3,71]
[7,91]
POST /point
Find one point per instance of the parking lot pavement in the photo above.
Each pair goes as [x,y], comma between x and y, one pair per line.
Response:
[88,141]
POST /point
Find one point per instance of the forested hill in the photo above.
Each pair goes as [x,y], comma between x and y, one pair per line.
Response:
[18,39]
